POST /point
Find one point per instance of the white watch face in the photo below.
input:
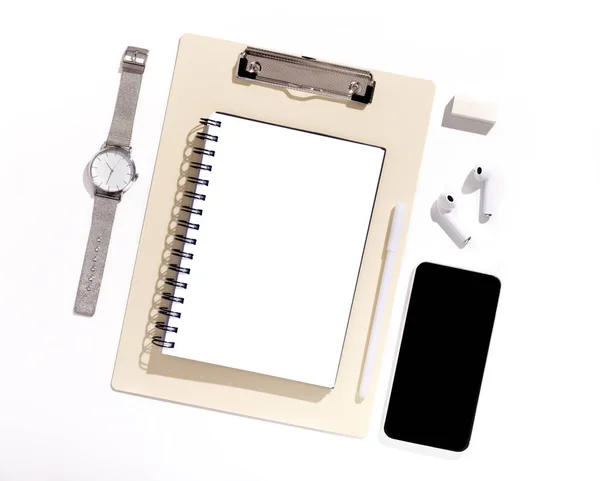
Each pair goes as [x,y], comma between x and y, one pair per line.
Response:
[112,170]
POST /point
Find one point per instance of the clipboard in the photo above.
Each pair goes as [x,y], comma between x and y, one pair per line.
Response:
[373,107]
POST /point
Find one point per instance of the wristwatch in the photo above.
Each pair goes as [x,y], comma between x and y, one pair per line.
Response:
[112,173]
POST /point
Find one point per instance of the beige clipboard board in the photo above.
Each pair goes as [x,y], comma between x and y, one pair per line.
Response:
[204,82]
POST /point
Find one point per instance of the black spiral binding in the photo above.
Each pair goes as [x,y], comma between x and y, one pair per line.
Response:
[190,225]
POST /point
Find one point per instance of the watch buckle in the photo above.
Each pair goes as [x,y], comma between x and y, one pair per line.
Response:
[134,59]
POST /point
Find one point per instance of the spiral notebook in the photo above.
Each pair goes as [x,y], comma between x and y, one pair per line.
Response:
[275,231]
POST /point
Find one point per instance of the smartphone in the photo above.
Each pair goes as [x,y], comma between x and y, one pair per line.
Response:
[442,357]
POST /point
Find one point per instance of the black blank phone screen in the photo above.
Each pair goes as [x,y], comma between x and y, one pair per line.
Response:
[442,357]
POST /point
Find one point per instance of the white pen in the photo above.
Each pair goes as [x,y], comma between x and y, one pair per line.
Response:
[388,267]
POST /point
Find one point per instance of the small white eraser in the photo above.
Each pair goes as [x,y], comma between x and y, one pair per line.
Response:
[470,115]
[474,109]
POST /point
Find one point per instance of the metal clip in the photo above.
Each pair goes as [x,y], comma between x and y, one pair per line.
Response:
[306,75]
[134,59]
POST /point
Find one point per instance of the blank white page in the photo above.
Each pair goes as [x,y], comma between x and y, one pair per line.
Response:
[278,251]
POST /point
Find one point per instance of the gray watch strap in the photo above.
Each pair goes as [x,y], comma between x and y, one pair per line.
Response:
[133,65]
[95,255]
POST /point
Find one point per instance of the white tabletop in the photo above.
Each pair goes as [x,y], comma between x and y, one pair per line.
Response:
[538,411]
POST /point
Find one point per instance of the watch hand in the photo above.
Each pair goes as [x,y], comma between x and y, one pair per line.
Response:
[110,175]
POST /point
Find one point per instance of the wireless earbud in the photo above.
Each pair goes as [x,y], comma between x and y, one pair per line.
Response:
[481,176]
[439,213]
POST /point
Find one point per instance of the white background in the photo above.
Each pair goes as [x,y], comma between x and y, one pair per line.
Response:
[538,414]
